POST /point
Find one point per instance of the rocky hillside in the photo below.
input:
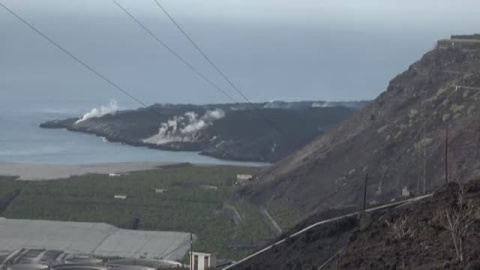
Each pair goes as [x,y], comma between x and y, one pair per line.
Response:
[398,139]
[412,236]
[227,131]
[419,236]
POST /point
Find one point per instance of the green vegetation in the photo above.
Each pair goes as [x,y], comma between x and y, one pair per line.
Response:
[286,217]
[253,226]
[7,186]
[189,204]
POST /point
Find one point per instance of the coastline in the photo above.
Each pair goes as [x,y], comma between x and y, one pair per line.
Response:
[184,147]
[37,172]
[43,172]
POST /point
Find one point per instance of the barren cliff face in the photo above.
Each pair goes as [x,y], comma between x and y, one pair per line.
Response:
[399,139]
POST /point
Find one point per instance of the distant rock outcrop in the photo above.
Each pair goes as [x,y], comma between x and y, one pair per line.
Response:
[226,131]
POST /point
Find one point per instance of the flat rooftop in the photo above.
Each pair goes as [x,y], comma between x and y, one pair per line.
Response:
[469,37]
[98,239]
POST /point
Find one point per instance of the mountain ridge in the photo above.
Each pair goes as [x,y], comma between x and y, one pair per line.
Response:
[387,139]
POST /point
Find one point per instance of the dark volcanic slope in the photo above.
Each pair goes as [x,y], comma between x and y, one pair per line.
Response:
[307,251]
[422,239]
[225,131]
[393,139]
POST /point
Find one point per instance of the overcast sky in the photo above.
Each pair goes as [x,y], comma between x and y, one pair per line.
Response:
[272,49]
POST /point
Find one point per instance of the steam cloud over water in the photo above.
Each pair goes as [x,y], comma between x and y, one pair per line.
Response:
[184,128]
[99,112]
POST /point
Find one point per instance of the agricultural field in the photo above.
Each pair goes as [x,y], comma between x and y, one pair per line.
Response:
[286,217]
[193,201]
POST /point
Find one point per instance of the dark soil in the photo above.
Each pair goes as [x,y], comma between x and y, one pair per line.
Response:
[429,246]
[370,243]
[305,251]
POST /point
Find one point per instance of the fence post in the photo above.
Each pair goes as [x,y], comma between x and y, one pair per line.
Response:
[365,194]
[446,155]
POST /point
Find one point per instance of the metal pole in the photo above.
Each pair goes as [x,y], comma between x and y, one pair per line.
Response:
[191,251]
[425,145]
[365,194]
[446,155]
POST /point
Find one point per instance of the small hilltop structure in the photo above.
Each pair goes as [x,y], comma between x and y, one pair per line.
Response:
[461,42]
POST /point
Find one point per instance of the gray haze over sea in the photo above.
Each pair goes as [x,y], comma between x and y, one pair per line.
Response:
[272,49]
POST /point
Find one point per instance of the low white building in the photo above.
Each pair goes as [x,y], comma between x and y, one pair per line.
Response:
[160,190]
[202,261]
[243,179]
[406,192]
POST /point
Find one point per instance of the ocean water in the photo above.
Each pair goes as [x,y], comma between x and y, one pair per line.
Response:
[22,141]
[316,50]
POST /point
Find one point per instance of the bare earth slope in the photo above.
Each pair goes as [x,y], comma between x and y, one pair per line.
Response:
[420,238]
[423,239]
[399,139]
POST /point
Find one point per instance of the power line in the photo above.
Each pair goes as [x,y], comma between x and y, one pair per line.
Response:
[90,68]
[63,49]
[84,64]
[100,75]
[202,52]
[162,43]
[174,53]
[205,56]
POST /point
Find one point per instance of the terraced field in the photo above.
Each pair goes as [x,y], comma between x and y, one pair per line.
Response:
[193,201]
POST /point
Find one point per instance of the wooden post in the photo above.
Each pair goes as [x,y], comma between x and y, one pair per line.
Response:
[446,155]
[365,194]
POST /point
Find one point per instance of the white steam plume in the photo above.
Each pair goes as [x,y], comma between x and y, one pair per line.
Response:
[321,104]
[184,128]
[99,112]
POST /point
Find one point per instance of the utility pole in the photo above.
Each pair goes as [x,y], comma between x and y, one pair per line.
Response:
[365,194]
[191,251]
[446,155]
[424,144]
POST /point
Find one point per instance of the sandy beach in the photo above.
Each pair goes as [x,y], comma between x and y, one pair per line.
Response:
[54,171]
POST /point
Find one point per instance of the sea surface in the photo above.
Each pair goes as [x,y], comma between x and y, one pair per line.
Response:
[23,141]
[332,51]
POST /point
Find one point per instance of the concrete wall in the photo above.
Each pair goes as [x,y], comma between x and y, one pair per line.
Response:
[211,261]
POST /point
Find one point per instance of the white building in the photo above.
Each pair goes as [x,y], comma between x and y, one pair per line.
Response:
[202,261]
[243,178]
[405,192]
